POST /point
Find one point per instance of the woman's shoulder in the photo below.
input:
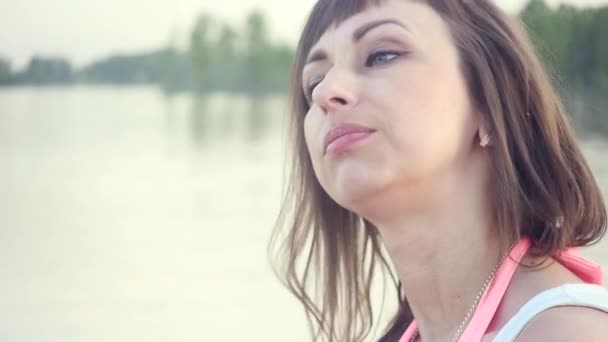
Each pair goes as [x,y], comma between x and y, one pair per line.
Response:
[569,312]
[550,303]
[567,323]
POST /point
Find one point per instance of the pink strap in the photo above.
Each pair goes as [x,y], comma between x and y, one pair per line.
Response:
[409,332]
[586,270]
[493,295]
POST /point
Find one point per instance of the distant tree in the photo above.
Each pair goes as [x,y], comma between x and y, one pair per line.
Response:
[599,49]
[599,69]
[6,76]
[225,60]
[201,49]
[175,69]
[572,43]
[579,59]
[538,18]
[143,68]
[44,70]
[257,53]
[280,61]
[218,58]
[226,44]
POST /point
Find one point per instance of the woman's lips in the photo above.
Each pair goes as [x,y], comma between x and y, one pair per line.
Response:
[344,136]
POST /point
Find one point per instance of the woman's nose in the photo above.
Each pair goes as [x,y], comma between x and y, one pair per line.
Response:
[335,93]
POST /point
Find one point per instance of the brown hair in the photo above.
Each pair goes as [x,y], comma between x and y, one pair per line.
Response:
[543,188]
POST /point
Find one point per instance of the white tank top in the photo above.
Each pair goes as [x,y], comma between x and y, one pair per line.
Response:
[585,295]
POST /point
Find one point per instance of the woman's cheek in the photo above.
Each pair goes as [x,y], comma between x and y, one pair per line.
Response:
[311,129]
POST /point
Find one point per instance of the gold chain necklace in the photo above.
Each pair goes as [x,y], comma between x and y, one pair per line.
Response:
[473,307]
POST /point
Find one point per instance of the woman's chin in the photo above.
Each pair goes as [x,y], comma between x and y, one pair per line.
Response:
[352,187]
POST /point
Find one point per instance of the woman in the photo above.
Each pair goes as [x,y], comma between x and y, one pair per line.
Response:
[427,133]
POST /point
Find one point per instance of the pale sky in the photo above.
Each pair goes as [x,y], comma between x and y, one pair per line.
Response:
[85,30]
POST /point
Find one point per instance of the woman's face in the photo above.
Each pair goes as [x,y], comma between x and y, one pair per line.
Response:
[389,106]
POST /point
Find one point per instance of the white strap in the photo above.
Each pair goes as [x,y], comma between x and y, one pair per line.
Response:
[586,295]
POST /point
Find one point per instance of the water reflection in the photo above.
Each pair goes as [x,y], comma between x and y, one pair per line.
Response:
[171,119]
[199,120]
[258,117]
[220,118]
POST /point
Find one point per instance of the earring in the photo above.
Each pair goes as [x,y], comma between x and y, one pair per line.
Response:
[485,140]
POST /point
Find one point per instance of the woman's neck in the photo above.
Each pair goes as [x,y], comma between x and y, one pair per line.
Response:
[443,254]
[442,275]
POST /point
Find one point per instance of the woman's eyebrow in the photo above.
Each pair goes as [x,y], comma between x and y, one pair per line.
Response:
[320,54]
[364,29]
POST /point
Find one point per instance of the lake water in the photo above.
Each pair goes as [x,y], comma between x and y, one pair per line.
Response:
[130,216]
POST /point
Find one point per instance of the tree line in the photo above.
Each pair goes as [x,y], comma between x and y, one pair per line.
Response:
[574,47]
[220,57]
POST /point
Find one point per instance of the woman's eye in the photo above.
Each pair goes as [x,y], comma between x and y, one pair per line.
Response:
[376,58]
[381,57]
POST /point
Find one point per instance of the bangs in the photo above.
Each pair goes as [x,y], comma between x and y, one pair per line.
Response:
[328,13]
